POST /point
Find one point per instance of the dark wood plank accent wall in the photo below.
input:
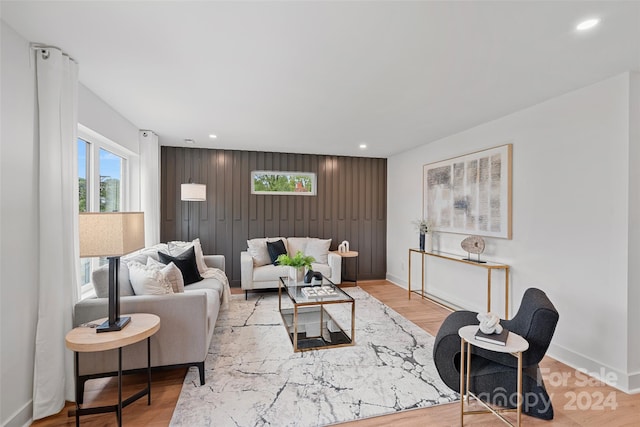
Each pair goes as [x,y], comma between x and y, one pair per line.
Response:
[351,204]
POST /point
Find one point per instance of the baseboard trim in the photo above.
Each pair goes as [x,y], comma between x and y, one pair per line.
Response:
[625,382]
[396,280]
[22,417]
[634,383]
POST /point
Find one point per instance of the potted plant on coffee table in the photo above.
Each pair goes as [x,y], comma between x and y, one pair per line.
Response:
[296,264]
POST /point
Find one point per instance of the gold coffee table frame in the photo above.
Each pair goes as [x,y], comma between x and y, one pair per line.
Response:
[294,291]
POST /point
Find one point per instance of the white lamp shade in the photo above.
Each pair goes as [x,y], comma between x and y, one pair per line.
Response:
[110,233]
[193,192]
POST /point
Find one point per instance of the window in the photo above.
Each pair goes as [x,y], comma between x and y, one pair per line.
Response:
[83,172]
[110,181]
[102,187]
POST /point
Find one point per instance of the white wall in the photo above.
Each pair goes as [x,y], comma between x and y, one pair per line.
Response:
[570,220]
[18,230]
[633,297]
[19,215]
[100,118]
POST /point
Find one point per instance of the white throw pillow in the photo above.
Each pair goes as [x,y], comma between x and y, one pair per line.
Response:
[148,280]
[142,254]
[100,280]
[297,244]
[171,272]
[319,249]
[176,248]
[257,248]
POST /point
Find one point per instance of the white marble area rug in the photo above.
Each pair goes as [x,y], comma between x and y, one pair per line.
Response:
[253,377]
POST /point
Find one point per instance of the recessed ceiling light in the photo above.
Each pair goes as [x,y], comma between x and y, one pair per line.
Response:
[588,24]
[363,146]
[212,136]
[189,141]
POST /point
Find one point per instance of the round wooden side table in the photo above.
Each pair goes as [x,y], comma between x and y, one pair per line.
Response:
[85,339]
[515,345]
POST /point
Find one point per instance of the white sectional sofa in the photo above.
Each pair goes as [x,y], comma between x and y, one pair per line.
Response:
[258,272]
[187,319]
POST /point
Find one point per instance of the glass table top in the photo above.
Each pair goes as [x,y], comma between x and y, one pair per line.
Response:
[306,293]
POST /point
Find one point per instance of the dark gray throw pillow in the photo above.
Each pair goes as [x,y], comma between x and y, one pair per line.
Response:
[275,250]
[186,262]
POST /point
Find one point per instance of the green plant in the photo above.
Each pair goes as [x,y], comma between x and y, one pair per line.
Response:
[299,260]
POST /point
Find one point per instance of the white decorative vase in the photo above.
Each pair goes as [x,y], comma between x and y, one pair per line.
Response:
[296,274]
[428,242]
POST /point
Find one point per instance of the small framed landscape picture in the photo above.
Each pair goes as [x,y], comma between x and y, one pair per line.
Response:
[283,183]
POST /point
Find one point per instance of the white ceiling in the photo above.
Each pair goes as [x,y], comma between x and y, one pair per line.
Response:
[323,77]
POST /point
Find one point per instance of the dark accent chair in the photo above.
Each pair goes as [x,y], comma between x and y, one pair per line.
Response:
[494,375]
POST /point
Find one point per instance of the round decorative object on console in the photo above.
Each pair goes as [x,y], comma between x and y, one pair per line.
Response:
[473,244]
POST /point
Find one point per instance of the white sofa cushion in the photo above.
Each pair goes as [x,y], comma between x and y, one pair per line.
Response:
[148,280]
[319,249]
[100,280]
[177,248]
[141,255]
[325,269]
[270,272]
[257,248]
[310,246]
[171,272]
[296,244]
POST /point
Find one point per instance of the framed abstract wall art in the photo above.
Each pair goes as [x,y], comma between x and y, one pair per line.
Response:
[470,194]
[283,183]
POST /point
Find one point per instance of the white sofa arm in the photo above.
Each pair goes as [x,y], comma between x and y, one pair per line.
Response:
[215,261]
[182,338]
[246,270]
[335,262]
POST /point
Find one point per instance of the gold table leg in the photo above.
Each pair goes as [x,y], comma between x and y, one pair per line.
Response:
[506,293]
[488,290]
[519,413]
[353,323]
[295,328]
[462,366]
[422,263]
[409,280]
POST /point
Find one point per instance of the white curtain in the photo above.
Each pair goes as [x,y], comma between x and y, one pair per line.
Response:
[57,98]
[150,185]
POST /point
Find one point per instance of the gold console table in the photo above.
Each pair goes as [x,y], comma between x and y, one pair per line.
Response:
[488,265]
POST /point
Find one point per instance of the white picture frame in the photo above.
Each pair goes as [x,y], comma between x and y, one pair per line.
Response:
[283,183]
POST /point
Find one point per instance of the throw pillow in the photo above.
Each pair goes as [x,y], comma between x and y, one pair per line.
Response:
[257,248]
[142,254]
[319,249]
[297,244]
[186,263]
[100,280]
[148,280]
[177,248]
[275,250]
[170,272]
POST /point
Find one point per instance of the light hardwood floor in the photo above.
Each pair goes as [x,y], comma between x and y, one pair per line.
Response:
[578,400]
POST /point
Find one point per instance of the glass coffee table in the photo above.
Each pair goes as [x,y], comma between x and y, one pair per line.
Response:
[309,324]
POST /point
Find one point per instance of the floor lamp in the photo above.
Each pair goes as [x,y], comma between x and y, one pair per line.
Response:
[111,234]
[191,192]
